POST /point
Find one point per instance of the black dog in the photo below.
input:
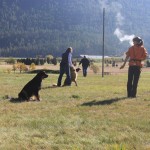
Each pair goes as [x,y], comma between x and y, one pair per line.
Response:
[31,89]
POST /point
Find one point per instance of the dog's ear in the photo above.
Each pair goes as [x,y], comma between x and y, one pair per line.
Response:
[78,69]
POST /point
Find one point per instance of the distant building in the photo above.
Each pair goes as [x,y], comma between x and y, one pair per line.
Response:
[94,56]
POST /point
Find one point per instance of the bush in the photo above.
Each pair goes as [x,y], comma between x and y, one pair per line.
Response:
[54,61]
[95,68]
[147,63]
[10,61]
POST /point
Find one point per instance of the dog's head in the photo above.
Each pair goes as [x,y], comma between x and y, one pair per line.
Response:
[42,75]
[78,69]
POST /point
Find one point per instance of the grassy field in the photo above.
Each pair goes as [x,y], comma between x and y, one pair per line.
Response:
[96,115]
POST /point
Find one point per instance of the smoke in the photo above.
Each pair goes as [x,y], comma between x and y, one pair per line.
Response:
[119,19]
[115,8]
[123,37]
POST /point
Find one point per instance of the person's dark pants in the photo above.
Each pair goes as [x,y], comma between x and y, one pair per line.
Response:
[133,78]
[66,70]
[84,71]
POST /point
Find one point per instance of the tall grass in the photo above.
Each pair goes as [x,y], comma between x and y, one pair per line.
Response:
[96,115]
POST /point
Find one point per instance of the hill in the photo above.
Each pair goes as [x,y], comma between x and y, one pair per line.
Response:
[34,27]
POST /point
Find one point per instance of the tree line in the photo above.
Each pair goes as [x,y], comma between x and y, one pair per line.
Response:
[37,61]
[31,28]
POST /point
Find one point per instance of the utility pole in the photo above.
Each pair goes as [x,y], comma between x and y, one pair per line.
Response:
[103,54]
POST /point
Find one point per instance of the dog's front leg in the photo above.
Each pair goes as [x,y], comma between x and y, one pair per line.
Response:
[76,83]
[38,97]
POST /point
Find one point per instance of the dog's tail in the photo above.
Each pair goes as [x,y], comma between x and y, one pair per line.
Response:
[11,99]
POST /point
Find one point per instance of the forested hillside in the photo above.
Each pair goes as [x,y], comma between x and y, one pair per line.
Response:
[40,27]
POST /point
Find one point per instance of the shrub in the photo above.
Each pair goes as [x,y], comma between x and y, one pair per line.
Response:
[32,66]
[10,61]
[54,61]
[95,68]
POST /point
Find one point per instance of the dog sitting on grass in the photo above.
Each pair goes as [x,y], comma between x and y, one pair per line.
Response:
[31,90]
[74,74]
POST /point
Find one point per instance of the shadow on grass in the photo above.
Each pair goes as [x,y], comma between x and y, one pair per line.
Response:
[11,99]
[48,87]
[53,86]
[104,102]
[16,100]
[45,70]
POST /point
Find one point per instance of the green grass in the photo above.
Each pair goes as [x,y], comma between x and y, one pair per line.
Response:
[96,115]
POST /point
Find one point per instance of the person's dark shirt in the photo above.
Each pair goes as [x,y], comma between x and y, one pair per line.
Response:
[64,60]
[85,62]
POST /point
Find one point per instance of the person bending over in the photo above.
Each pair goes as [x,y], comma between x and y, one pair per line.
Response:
[65,65]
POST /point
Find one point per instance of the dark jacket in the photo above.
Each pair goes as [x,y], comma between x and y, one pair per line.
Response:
[64,61]
[85,62]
